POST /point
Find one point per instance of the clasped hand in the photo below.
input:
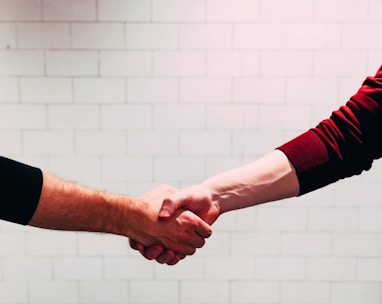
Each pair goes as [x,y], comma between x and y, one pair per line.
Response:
[183,219]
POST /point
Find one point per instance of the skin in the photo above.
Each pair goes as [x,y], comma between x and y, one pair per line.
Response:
[67,206]
[267,179]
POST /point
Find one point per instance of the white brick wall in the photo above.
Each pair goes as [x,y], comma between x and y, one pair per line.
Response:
[123,95]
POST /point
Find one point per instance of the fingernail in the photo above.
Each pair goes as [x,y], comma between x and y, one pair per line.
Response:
[164,213]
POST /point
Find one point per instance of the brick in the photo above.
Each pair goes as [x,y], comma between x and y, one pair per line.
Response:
[19,117]
[215,165]
[43,35]
[123,63]
[355,292]
[255,292]
[7,35]
[42,243]
[14,292]
[229,268]
[90,244]
[76,168]
[233,63]
[374,62]
[27,268]
[326,10]
[233,11]
[159,143]
[151,36]
[331,269]
[174,168]
[127,169]
[366,245]
[99,90]
[210,90]
[124,10]
[280,268]
[72,63]
[256,90]
[213,292]
[74,268]
[21,63]
[336,63]
[276,219]
[199,143]
[255,244]
[9,90]
[369,269]
[11,143]
[187,269]
[152,90]
[305,292]
[306,244]
[295,11]
[179,117]
[232,117]
[70,10]
[99,292]
[205,36]
[280,117]
[355,37]
[287,64]
[375,7]
[311,91]
[126,117]
[178,10]
[20,10]
[97,36]
[254,143]
[51,292]
[158,290]
[14,244]
[181,63]
[48,143]
[217,245]
[369,220]
[333,219]
[99,143]
[46,90]
[313,36]
[262,36]
[69,117]
[138,268]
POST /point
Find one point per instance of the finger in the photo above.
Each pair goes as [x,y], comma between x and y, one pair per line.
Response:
[136,246]
[152,252]
[168,208]
[203,229]
[174,261]
[168,256]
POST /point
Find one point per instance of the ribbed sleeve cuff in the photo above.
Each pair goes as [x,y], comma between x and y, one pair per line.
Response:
[21,187]
[309,156]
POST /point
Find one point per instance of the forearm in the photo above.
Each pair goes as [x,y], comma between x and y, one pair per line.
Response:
[67,206]
[267,179]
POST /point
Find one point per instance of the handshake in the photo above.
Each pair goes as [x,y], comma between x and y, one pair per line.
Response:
[164,224]
[181,225]
[181,219]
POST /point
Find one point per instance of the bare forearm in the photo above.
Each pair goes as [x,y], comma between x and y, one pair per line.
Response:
[267,179]
[67,206]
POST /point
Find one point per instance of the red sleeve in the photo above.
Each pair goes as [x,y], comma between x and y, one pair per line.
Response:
[343,145]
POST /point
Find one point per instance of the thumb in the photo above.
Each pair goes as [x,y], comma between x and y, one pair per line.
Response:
[168,208]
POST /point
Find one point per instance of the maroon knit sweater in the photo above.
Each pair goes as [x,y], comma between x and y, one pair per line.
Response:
[343,145]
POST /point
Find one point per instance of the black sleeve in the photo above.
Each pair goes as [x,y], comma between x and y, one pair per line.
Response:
[20,187]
